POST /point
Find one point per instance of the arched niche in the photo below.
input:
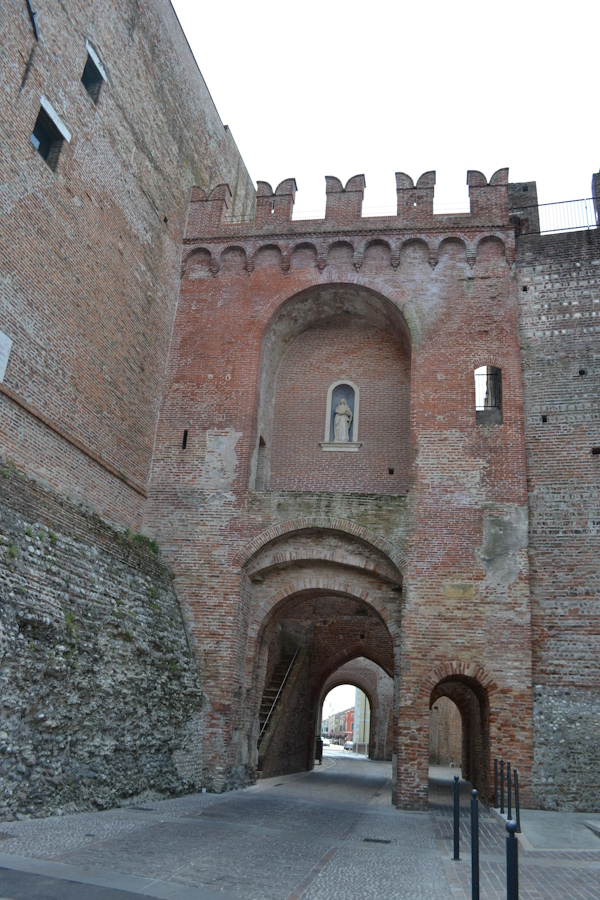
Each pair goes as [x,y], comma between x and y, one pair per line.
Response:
[327,335]
[345,437]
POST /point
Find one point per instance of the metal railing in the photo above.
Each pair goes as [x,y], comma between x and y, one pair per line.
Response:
[546,218]
[513,826]
[488,390]
[281,687]
[502,773]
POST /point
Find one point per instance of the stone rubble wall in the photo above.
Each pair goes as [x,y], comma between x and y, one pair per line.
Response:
[559,294]
[101,700]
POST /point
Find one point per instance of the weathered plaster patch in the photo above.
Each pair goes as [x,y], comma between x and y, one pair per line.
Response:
[503,538]
[458,590]
[220,462]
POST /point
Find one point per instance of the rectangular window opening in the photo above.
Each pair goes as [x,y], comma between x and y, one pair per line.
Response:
[184,441]
[92,79]
[595,451]
[582,372]
[544,418]
[390,471]
[524,288]
[488,395]
[47,139]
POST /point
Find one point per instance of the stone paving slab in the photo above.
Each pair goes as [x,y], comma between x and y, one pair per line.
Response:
[570,874]
[312,836]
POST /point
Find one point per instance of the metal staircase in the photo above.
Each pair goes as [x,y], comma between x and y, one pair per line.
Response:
[274,689]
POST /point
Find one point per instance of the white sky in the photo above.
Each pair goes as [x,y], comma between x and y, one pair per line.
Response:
[324,87]
[340,698]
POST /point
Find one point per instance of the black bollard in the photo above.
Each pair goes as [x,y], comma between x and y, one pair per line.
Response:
[495,784]
[474,847]
[512,862]
[517,804]
[502,786]
[509,786]
[456,818]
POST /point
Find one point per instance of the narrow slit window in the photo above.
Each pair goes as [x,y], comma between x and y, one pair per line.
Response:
[184,441]
[261,466]
[488,395]
[92,78]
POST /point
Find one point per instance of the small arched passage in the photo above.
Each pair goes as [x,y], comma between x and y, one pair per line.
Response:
[378,686]
[472,701]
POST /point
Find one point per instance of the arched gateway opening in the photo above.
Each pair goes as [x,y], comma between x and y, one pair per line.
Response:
[378,687]
[307,638]
[471,699]
[323,606]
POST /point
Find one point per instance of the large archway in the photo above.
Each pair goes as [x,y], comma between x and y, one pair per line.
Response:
[329,343]
[307,637]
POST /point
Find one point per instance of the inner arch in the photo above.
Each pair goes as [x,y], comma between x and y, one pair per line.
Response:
[329,334]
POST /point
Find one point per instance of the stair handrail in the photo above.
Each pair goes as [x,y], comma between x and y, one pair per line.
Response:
[281,687]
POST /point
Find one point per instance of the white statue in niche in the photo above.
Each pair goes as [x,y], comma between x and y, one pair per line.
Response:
[342,421]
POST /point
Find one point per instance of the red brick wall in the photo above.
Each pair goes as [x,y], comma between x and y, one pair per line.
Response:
[378,365]
[91,259]
[255,294]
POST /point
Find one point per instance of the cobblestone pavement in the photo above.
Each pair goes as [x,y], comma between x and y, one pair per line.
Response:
[320,835]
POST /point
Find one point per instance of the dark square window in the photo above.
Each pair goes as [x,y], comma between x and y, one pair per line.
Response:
[92,79]
[47,139]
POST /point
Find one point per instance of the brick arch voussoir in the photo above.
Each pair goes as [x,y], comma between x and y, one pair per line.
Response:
[261,615]
[348,654]
[472,670]
[489,359]
[325,585]
[453,690]
[344,525]
[326,279]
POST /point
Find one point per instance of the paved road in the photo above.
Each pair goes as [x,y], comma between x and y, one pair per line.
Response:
[317,836]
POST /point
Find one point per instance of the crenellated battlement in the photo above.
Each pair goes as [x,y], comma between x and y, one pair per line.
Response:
[210,214]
